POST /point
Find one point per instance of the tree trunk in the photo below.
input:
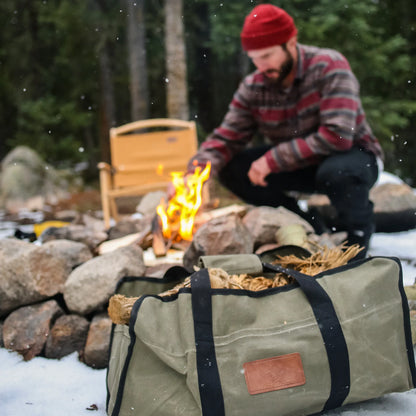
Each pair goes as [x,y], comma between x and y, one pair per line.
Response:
[108,117]
[137,62]
[176,75]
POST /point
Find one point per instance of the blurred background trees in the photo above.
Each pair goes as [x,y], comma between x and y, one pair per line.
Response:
[71,69]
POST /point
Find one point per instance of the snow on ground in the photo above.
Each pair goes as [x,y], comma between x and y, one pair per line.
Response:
[45,387]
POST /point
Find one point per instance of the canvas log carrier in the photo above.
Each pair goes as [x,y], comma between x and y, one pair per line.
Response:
[340,337]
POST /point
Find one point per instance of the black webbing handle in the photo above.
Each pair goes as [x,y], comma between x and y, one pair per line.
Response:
[336,347]
[331,331]
[210,391]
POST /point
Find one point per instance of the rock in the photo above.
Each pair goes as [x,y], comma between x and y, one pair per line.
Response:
[29,274]
[128,226]
[266,247]
[26,329]
[90,285]
[413,325]
[68,334]
[71,252]
[393,197]
[410,292]
[96,225]
[159,270]
[223,235]
[67,215]
[329,240]
[149,202]
[394,207]
[98,342]
[263,222]
[26,177]
[75,232]
[1,335]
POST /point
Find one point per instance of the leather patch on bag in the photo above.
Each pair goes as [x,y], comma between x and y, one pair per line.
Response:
[276,373]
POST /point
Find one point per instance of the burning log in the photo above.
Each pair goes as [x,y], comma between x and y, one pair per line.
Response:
[180,211]
[158,243]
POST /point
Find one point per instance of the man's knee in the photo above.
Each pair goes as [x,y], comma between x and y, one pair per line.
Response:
[346,170]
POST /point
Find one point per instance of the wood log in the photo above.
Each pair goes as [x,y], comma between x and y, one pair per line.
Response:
[159,245]
[206,216]
[136,238]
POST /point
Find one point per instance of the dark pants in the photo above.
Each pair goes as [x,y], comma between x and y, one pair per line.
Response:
[345,177]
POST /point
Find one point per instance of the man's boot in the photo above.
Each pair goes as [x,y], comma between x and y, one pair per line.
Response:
[361,236]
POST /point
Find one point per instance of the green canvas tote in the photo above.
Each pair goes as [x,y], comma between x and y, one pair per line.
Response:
[339,337]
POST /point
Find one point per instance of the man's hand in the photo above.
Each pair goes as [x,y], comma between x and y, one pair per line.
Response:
[170,192]
[259,169]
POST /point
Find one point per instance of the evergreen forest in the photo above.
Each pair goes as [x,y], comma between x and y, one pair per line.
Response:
[72,69]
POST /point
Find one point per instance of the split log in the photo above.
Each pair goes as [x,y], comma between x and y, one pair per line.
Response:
[206,216]
[159,245]
[136,238]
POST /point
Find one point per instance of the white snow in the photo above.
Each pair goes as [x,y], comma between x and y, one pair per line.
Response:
[45,387]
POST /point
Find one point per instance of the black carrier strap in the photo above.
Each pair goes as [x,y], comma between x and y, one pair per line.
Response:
[336,347]
[331,331]
[210,391]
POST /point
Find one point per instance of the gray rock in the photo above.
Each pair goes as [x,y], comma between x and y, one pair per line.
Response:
[72,252]
[159,270]
[223,235]
[149,202]
[26,176]
[68,334]
[98,342]
[26,329]
[75,232]
[263,222]
[90,285]
[128,226]
[392,197]
[96,225]
[28,274]
[413,325]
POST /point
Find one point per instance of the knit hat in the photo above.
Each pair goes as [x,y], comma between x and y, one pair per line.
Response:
[266,26]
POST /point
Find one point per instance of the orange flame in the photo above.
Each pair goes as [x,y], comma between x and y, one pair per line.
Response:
[183,206]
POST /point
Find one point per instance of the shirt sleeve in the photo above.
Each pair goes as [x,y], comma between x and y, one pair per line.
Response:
[339,108]
[235,131]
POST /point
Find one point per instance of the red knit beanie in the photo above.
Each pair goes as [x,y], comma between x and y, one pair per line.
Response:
[266,26]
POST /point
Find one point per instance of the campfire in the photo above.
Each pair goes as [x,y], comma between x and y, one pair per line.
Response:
[175,218]
[188,225]
[178,215]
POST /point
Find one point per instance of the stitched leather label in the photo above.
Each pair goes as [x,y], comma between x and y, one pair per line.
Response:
[276,373]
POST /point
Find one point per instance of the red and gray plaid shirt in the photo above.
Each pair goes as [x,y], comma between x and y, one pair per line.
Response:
[319,114]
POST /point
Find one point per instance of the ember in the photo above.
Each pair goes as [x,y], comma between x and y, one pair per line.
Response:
[179,214]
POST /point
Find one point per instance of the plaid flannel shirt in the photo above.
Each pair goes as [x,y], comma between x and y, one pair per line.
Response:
[321,113]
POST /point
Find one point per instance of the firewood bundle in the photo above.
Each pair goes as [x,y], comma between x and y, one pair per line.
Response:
[120,306]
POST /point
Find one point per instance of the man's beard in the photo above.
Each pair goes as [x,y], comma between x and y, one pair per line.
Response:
[284,71]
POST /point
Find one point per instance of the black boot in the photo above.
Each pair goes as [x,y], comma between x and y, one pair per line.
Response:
[361,236]
[314,218]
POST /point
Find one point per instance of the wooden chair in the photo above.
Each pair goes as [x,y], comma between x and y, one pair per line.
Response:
[143,154]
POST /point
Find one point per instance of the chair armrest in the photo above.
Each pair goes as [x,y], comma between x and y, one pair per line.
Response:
[104,166]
